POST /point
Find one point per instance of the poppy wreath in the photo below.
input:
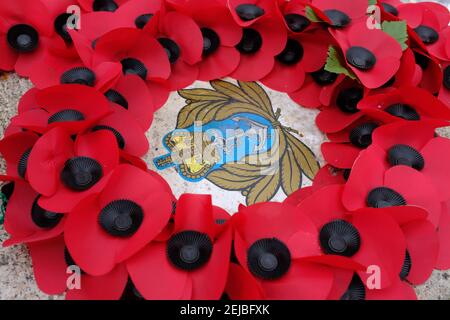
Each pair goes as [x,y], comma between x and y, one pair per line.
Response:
[78,194]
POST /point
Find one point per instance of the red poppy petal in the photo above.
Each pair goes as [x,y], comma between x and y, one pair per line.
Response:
[303,281]
[107,287]
[209,282]
[332,119]
[186,33]
[424,194]
[367,174]
[241,285]
[285,78]
[437,155]
[422,243]
[154,276]
[342,279]
[443,262]
[399,290]
[298,196]
[219,64]
[322,212]
[340,155]
[46,160]
[101,146]
[183,75]
[8,57]
[49,265]
[328,175]
[14,146]
[383,249]
[194,212]
[254,67]
[308,95]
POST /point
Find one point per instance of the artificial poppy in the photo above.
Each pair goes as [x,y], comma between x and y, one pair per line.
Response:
[15,149]
[26,221]
[193,262]
[344,146]
[129,133]
[342,109]
[270,241]
[405,103]
[374,183]
[23,36]
[429,26]
[102,5]
[64,171]
[443,261]
[241,285]
[295,17]
[182,41]
[119,221]
[414,144]
[340,14]
[304,52]
[355,235]
[246,13]
[444,93]
[220,36]
[432,73]
[65,106]
[51,260]
[261,42]
[373,55]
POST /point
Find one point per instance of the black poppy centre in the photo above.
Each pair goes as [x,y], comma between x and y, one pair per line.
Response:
[23,38]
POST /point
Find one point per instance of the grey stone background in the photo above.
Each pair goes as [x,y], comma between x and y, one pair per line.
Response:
[16,274]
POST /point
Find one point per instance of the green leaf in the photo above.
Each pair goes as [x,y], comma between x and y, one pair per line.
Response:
[397,30]
[372,2]
[311,15]
[334,64]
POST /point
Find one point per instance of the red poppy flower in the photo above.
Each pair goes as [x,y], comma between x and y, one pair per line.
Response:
[131,93]
[15,149]
[220,36]
[51,260]
[342,109]
[432,152]
[263,40]
[241,285]
[294,15]
[193,263]
[101,5]
[374,183]
[64,171]
[304,52]
[23,36]
[444,93]
[65,106]
[270,241]
[431,72]
[340,14]
[129,134]
[317,89]
[248,12]
[443,261]
[182,40]
[137,52]
[130,211]
[26,221]
[356,235]
[344,146]
[132,14]
[373,55]
[429,23]
[408,103]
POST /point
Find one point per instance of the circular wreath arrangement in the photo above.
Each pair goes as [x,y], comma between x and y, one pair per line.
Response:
[79,194]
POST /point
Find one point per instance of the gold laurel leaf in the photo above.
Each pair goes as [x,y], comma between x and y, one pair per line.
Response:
[233,108]
[291,173]
[258,96]
[304,156]
[265,189]
[244,169]
[190,113]
[232,91]
[202,95]
[229,181]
